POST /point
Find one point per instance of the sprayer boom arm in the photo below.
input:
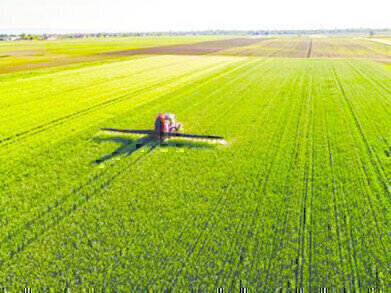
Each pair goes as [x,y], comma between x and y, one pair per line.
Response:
[163,134]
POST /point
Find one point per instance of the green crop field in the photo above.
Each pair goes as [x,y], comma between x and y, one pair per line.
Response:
[298,197]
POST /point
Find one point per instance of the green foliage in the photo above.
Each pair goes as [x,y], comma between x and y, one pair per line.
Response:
[299,197]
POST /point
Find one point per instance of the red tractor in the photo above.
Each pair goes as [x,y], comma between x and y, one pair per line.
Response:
[166,123]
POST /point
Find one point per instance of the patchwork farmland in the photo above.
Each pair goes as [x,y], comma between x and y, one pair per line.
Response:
[298,197]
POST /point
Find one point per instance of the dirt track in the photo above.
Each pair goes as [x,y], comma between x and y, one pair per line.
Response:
[309,49]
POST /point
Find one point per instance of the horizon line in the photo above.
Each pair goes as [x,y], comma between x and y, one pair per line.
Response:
[109,31]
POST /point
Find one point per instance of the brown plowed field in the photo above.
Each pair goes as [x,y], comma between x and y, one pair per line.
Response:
[350,48]
[200,48]
[49,63]
[273,47]
[314,47]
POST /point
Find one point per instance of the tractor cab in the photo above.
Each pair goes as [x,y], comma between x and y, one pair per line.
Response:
[169,119]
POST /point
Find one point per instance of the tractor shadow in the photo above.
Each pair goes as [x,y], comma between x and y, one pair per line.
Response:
[129,146]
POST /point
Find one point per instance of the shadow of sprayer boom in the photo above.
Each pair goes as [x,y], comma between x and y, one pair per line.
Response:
[129,146]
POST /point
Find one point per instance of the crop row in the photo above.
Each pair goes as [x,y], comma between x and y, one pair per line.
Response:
[295,199]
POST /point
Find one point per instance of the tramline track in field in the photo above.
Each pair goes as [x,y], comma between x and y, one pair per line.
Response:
[95,180]
[61,120]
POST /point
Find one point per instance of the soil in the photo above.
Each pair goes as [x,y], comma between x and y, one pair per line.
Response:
[200,48]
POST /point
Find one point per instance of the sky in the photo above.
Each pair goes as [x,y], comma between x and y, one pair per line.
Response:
[184,15]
